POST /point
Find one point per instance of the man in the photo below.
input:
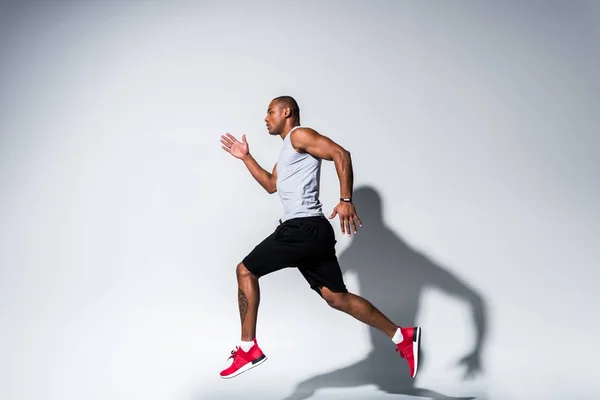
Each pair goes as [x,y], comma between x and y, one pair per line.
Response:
[304,239]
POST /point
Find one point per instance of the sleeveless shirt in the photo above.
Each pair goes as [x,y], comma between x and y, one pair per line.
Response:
[298,182]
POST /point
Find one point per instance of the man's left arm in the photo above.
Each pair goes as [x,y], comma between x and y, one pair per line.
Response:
[310,141]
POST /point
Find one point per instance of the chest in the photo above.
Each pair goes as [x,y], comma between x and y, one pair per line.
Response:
[292,164]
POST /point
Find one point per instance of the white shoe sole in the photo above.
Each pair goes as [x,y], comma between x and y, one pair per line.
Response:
[416,348]
[245,368]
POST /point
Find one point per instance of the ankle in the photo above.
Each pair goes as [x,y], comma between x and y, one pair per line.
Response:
[246,345]
[397,337]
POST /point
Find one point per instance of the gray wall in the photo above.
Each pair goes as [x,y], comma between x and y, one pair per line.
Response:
[474,133]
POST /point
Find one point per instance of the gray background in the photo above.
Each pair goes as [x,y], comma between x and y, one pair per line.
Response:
[474,133]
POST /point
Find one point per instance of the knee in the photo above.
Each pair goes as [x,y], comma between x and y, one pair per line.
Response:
[242,272]
[333,299]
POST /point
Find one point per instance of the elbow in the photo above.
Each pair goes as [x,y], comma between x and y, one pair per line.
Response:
[346,155]
[342,155]
[271,187]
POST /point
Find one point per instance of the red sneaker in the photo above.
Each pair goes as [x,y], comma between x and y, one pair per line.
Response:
[409,347]
[243,361]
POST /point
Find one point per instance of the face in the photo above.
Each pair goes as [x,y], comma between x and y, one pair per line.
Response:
[275,118]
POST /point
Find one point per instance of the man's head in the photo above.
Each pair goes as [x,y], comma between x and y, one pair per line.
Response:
[283,114]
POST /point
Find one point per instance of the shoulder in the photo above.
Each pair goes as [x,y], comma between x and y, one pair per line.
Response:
[308,140]
[303,136]
[303,131]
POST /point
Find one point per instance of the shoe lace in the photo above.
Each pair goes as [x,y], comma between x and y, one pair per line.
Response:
[234,353]
[402,352]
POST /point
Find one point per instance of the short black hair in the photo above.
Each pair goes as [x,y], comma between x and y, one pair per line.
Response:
[290,102]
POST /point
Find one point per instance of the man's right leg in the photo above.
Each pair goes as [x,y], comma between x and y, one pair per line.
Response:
[247,355]
[248,301]
[265,258]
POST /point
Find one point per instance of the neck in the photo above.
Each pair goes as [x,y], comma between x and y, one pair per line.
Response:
[288,128]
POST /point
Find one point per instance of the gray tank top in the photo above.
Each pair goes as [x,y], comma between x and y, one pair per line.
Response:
[298,181]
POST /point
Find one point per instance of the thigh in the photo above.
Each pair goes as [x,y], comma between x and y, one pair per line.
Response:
[321,268]
[287,247]
[324,273]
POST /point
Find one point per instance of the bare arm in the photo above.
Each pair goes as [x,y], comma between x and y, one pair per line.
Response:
[241,150]
[310,141]
[266,179]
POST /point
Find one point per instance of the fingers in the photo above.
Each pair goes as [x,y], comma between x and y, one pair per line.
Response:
[345,225]
[348,223]
[225,139]
[353,224]
[226,146]
[358,220]
[228,140]
[231,137]
[226,143]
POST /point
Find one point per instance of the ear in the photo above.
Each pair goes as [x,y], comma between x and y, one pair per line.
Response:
[287,112]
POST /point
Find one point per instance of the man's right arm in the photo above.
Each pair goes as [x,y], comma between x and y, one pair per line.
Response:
[266,179]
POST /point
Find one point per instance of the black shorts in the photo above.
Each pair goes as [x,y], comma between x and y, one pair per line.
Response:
[306,243]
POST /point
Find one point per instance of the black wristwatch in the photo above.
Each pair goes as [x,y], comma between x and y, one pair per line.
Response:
[346,200]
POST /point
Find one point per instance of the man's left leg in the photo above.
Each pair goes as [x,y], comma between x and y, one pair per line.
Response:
[361,309]
[323,273]
[325,277]
[407,340]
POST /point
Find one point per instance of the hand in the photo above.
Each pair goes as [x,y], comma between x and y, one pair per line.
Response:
[472,364]
[234,147]
[347,215]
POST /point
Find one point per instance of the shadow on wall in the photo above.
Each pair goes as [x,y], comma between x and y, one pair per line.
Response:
[392,275]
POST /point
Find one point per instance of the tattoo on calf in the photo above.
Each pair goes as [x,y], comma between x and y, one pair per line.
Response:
[243,304]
